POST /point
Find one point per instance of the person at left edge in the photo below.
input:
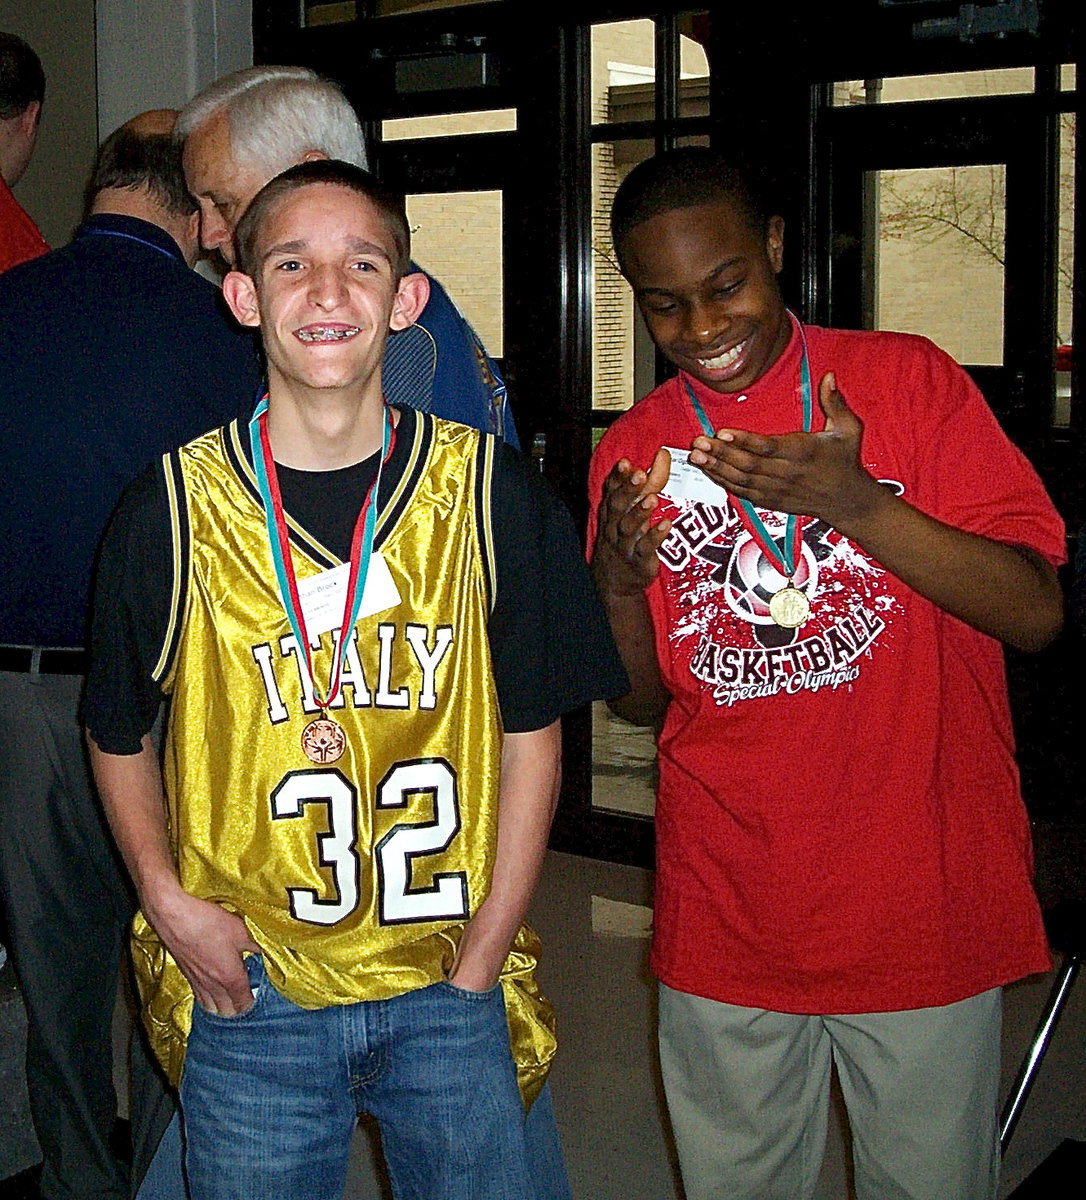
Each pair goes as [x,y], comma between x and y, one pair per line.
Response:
[113,351]
[333,879]
[22,90]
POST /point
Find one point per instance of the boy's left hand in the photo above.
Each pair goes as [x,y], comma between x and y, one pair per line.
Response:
[813,474]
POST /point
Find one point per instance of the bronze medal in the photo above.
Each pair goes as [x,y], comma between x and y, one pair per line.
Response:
[789,607]
[323,741]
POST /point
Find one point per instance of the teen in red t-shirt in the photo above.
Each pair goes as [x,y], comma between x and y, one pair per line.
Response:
[839,825]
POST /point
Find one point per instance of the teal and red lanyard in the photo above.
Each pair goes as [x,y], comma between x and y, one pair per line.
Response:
[279,539]
[784,555]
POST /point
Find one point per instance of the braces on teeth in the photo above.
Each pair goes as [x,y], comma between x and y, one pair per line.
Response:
[325,335]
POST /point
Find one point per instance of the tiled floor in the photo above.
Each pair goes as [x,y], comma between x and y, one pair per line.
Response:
[605,1083]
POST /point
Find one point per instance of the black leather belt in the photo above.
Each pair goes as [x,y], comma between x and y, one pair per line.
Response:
[44,660]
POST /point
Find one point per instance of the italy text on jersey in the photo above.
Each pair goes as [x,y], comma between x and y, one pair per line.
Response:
[719,584]
[416,689]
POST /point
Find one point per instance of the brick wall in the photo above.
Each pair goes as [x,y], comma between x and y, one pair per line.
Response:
[612,313]
[458,238]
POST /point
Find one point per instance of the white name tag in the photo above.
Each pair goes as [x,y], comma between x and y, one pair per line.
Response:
[688,482]
[324,596]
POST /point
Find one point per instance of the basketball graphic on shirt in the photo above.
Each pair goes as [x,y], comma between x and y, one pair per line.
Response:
[751,579]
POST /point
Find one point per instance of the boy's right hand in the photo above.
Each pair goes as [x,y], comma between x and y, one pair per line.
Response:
[624,560]
[207,942]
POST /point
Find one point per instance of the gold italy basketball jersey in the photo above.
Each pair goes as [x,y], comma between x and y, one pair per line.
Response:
[354,876]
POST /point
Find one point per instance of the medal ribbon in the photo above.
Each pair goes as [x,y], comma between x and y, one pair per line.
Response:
[785,555]
[361,547]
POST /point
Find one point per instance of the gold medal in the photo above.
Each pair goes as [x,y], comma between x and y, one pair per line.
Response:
[323,741]
[789,607]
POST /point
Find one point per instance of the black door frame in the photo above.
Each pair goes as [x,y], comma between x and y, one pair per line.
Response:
[769,83]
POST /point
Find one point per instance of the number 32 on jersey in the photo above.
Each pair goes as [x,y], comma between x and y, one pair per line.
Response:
[404,848]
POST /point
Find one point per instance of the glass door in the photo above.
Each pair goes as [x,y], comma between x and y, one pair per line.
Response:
[947,218]
[644,86]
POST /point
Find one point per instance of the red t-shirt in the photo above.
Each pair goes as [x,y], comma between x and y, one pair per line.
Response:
[20,238]
[839,824]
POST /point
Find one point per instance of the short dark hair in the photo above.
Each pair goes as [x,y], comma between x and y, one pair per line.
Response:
[684,178]
[325,170]
[22,81]
[142,161]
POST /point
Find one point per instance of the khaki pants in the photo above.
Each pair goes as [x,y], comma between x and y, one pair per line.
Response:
[748,1095]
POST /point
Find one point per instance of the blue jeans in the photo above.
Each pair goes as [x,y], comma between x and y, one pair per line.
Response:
[270,1097]
[164,1179]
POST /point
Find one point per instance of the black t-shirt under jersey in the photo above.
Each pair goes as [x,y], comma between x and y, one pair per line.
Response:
[550,645]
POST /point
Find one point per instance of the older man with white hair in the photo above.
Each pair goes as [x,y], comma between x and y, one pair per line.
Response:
[249,126]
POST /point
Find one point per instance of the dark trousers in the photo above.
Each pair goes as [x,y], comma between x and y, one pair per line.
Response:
[67,908]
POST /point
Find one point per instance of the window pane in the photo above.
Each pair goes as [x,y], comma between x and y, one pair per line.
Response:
[623,364]
[323,13]
[693,65]
[623,764]
[939,257]
[449,124]
[457,237]
[956,85]
[1067,77]
[389,8]
[623,80]
[1065,265]
[848,92]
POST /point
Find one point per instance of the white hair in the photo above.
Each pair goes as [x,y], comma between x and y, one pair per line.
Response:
[277,115]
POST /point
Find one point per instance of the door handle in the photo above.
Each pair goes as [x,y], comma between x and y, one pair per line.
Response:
[538,452]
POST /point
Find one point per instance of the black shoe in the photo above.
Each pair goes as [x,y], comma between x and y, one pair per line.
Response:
[23,1186]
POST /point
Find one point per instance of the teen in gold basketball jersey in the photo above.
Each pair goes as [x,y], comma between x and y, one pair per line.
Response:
[368,622]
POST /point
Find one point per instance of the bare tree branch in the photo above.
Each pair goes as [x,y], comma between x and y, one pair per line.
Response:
[926,206]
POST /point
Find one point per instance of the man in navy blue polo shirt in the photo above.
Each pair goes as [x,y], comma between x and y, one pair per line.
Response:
[114,351]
